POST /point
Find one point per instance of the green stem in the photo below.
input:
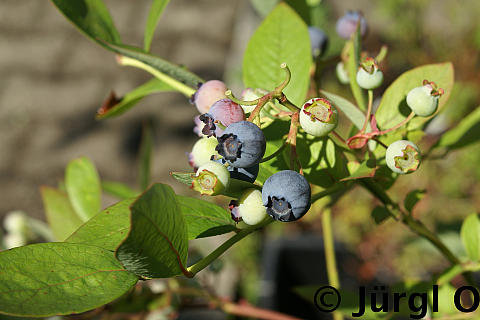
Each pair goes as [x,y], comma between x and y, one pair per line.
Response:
[328,243]
[287,103]
[202,264]
[369,111]
[398,125]
[335,188]
[177,85]
[288,76]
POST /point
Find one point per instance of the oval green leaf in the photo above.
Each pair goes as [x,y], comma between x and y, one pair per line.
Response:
[470,234]
[107,229]
[48,279]
[282,37]
[157,244]
[153,17]
[204,219]
[83,187]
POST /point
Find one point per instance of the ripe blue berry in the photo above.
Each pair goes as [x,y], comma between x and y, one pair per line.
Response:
[202,151]
[342,73]
[242,144]
[318,117]
[246,174]
[347,24]
[207,94]
[286,194]
[424,100]
[369,76]
[249,207]
[211,179]
[222,113]
[403,157]
[318,41]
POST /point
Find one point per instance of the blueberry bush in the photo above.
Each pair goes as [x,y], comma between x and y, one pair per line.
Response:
[282,148]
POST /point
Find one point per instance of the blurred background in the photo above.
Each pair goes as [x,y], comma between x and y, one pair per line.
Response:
[53,79]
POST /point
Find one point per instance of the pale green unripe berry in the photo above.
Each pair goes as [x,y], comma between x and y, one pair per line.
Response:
[212,178]
[342,73]
[202,151]
[403,157]
[424,100]
[368,80]
[249,207]
[318,117]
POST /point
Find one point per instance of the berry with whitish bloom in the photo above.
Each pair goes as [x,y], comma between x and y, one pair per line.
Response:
[222,114]
[318,41]
[342,73]
[242,144]
[424,100]
[347,24]
[202,151]
[318,117]
[369,76]
[249,207]
[287,195]
[403,157]
[211,179]
[207,94]
[246,174]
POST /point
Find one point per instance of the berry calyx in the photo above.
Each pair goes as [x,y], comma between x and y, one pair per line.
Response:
[424,100]
[207,94]
[202,151]
[211,179]
[318,117]
[222,113]
[249,207]
[286,195]
[403,157]
[242,144]
[369,76]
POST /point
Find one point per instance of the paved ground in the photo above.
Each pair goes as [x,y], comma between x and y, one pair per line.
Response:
[52,80]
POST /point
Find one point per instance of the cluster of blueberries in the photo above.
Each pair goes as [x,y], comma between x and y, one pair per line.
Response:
[232,148]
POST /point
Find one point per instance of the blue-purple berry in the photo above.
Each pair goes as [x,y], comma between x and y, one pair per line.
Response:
[318,41]
[242,144]
[246,174]
[287,195]
[347,24]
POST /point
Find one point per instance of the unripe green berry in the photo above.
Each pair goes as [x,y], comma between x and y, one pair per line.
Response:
[318,117]
[212,178]
[424,100]
[202,151]
[342,73]
[249,207]
[369,76]
[403,157]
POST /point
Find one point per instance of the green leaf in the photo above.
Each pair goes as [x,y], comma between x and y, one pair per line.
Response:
[412,198]
[183,177]
[353,114]
[204,219]
[465,133]
[83,187]
[48,279]
[153,17]
[163,66]
[113,107]
[393,108]
[282,37]
[264,7]
[145,156]
[91,17]
[157,244]
[470,234]
[61,217]
[107,229]
[119,190]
